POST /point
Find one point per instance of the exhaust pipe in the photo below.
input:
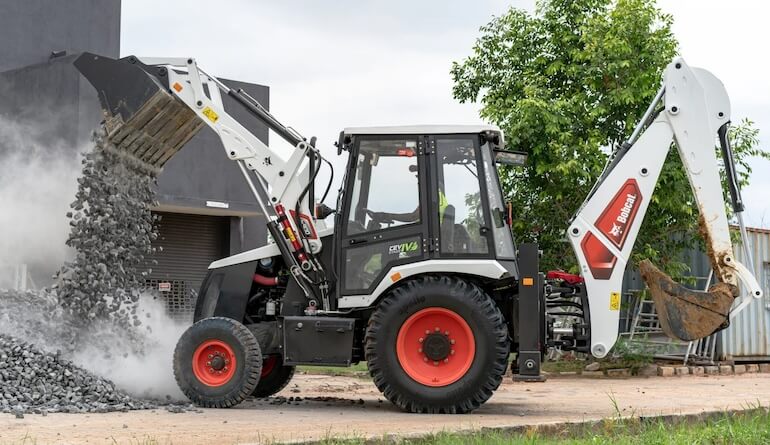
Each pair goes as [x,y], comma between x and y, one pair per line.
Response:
[142,119]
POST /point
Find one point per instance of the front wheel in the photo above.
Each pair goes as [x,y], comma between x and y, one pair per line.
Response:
[437,345]
[217,362]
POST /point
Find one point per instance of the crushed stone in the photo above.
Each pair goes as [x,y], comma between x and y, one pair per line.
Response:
[39,382]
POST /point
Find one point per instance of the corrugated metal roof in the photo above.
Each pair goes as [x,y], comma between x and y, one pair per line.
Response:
[749,333]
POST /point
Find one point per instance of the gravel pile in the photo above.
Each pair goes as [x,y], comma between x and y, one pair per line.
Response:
[34,316]
[34,381]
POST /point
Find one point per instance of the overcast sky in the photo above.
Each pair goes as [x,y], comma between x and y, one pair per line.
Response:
[330,65]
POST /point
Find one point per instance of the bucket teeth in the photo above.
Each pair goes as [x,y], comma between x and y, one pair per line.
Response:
[143,120]
[157,131]
[686,314]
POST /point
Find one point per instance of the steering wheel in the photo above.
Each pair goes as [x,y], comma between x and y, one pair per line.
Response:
[379,217]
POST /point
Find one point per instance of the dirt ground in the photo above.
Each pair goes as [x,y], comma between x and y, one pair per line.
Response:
[352,407]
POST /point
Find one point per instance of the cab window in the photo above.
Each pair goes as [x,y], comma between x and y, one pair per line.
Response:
[385,190]
[461,212]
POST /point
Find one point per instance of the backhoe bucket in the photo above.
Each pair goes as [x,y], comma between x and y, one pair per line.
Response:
[143,119]
[684,313]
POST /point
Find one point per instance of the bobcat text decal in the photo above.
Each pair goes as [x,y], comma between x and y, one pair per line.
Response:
[613,223]
[617,218]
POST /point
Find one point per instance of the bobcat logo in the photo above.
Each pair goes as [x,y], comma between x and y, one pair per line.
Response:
[616,230]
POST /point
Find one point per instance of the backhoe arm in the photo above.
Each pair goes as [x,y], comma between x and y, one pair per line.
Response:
[691,109]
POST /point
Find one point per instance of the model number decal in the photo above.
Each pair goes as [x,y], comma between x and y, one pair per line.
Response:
[405,248]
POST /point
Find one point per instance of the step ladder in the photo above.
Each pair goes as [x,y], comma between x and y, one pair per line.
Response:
[646,333]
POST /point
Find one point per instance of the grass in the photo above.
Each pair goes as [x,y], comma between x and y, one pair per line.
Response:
[357,370]
[579,365]
[360,370]
[746,427]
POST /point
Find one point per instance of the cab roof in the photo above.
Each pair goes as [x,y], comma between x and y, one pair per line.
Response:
[422,129]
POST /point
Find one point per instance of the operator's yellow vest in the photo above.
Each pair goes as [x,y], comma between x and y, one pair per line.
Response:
[442,205]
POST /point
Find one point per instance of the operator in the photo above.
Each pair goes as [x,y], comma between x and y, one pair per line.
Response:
[413,216]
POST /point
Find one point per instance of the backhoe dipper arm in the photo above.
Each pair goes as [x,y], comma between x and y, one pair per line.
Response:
[603,232]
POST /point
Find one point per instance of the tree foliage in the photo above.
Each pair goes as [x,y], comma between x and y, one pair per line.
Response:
[566,84]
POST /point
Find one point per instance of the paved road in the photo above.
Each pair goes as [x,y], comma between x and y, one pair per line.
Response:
[346,406]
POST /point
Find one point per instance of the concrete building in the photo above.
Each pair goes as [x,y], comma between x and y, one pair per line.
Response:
[207,212]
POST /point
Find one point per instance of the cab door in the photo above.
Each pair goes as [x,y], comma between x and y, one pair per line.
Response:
[459,212]
[385,220]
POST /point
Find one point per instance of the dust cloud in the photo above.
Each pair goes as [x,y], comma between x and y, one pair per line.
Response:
[37,183]
[147,373]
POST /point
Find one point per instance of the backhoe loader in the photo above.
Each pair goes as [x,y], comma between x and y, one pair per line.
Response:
[419,275]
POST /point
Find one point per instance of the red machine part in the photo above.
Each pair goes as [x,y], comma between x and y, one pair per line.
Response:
[214,363]
[568,278]
[618,216]
[268,365]
[613,223]
[283,221]
[305,224]
[435,346]
[265,281]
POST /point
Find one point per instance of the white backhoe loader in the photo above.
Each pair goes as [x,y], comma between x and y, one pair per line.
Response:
[419,274]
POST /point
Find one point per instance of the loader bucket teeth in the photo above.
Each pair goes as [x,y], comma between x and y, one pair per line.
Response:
[143,120]
[686,314]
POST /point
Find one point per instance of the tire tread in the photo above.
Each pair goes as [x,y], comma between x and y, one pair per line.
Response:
[476,296]
[252,367]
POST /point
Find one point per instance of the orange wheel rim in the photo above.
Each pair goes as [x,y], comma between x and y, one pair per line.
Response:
[435,346]
[213,363]
[268,365]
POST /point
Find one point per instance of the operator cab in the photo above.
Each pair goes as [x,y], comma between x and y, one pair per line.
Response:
[417,193]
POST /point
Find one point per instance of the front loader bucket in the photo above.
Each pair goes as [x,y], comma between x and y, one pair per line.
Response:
[684,313]
[142,118]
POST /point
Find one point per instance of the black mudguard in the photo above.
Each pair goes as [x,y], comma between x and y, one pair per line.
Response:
[225,292]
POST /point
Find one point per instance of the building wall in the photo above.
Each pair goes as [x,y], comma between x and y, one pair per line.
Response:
[52,100]
[31,29]
[189,244]
[48,95]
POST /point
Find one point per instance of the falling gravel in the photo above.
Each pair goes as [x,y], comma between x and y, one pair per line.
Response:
[92,314]
[112,230]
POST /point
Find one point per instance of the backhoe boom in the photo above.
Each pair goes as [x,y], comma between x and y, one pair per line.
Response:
[695,110]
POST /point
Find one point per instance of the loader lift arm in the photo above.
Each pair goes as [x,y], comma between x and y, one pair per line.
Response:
[153,106]
[691,109]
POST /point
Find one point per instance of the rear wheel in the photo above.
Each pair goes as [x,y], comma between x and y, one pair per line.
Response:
[274,376]
[437,345]
[217,362]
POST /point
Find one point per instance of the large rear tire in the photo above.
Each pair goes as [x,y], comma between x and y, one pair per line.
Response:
[437,345]
[217,362]
[274,376]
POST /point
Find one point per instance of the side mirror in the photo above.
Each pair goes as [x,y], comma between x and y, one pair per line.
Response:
[509,157]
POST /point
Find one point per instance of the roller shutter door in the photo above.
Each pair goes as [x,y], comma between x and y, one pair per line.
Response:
[189,244]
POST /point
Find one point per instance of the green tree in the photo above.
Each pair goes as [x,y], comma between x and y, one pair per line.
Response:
[566,84]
